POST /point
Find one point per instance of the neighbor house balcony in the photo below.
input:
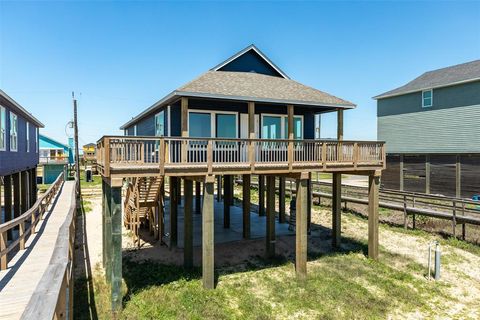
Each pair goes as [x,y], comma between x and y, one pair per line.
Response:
[133,156]
[53,160]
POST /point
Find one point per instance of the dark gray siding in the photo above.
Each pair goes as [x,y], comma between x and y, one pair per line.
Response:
[250,62]
[450,125]
[466,94]
[15,161]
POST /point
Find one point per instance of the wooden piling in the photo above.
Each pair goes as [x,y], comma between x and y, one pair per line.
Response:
[208,234]
[173,212]
[336,209]
[373,189]
[188,224]
[246,205]
[301,229]
[281,200]
[270,231]
[261,195]
[226,201]
[116,247]
[198,199]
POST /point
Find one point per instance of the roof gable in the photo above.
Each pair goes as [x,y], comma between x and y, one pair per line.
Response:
[457,74]
[49,143]
[250,59]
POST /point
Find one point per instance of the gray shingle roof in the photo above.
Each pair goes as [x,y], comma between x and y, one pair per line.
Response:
[258,87]
[464,72]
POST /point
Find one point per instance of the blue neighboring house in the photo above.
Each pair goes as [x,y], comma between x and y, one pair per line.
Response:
[54,155]
[18,157]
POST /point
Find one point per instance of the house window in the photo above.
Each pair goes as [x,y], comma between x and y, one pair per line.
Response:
[160,124]
[3,128]
[199,125]
[226,125]
[276,126]
[28,136]
[427,98]
[13,132]
[207,124]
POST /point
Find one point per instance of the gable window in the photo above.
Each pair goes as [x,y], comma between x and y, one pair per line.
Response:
[3,128]
[28,136]
[427,98]
[13,132]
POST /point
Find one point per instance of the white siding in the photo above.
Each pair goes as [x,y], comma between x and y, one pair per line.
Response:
[437,131]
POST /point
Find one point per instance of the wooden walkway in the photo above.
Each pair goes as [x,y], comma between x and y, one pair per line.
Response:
[19,281]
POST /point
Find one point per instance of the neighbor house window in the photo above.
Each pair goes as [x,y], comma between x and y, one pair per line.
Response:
[427,98]
[28,136]
[3,128]
[160,124]
[13,132]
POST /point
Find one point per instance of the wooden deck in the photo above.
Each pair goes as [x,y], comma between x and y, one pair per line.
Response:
[25,271]
[130,156]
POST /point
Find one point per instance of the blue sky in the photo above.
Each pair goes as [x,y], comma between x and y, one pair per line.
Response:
[121,57]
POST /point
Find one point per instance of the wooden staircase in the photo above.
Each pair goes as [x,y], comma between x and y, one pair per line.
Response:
[142,198]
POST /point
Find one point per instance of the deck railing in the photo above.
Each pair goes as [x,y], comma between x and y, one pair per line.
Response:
[169,152]
[26,222]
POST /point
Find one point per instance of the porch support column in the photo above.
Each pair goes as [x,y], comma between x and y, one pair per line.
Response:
[173,212]
[198,198]
[270,232]
[401,171]
[116,250]
[290,111]
[261,195]
[24,193]
[16,195]
[246,205]
[188,224]
[226,200]
[373,187]
[281,200]
[219,188]
[301,227]
[458,177]
[7,189]
[184,120]
[337,191]
[207,234]
[33,185]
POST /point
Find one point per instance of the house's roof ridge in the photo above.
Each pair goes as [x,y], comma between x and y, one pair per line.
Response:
[24,111]
[259,52]
[54,140]
[442,77]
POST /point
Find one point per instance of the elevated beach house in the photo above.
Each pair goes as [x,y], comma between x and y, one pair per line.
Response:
[54,158]
[431,127]
[243,117]
[18,159]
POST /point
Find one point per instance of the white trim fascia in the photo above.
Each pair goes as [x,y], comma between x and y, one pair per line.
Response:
[382,96]
[4,148]
[260,53]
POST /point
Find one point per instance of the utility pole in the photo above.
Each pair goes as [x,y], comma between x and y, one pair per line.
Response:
[77,157]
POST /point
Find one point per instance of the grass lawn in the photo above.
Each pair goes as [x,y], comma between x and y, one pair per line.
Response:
[339,285]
